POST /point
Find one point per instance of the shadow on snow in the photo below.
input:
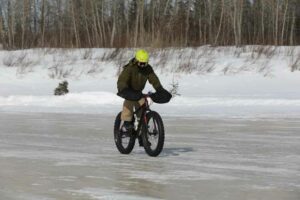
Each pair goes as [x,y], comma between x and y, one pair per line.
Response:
[175,151]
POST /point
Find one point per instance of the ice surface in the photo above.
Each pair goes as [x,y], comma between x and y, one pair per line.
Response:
[73,156]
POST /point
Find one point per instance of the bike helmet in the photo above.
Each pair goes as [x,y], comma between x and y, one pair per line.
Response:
[142,56]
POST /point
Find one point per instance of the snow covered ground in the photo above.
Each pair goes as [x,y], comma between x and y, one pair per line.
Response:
[252,81]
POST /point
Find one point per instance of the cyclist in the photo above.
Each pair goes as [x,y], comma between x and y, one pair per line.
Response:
[132,81]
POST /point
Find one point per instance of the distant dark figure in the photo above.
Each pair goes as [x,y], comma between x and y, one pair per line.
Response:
[62,88]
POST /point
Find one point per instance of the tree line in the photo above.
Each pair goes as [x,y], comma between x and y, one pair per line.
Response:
[155,23]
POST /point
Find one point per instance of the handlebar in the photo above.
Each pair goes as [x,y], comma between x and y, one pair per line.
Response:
[147,97]
[148,94]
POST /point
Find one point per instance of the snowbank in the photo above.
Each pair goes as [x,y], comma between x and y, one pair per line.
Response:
[252,81]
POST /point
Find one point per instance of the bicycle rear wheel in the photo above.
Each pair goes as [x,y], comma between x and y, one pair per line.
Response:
[153,134]
[124,141]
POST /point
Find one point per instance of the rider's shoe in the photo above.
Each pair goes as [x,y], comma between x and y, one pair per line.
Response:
[127,127]
[140,141]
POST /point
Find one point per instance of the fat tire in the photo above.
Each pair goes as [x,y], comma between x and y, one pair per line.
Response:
[118,140]
[161,136]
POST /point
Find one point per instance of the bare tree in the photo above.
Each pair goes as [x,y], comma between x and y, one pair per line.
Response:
[1,28]
[86,23]
[136,24]
[76,34]
[114,19]
[141,22]
[292,28]
[187,23]
[10,24]
[220,23]
[25,16]
[284,21]
[43,23]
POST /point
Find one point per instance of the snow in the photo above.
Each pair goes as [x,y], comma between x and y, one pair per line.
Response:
[233,133]
[213,81]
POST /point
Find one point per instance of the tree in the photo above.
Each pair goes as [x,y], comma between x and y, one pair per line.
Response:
[43,23]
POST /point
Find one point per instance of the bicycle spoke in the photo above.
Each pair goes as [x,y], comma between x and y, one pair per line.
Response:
[153,133]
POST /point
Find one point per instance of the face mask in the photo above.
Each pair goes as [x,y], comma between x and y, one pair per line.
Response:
[142,64]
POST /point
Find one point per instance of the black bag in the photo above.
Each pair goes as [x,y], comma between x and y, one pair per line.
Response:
[130,94]
[161,96]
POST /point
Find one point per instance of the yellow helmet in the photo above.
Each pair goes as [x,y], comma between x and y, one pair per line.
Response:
[142,56]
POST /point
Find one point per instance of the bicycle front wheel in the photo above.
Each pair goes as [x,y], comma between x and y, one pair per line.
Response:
[153,135]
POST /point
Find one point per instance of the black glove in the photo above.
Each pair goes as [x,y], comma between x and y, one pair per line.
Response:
[159,89]
[161,96]
[130,94]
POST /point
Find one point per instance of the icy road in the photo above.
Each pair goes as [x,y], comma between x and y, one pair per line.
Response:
[64,156]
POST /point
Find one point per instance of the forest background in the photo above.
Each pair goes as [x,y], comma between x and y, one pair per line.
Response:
[147,23]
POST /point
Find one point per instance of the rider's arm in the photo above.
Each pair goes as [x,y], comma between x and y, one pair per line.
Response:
[154,80]
[123,79]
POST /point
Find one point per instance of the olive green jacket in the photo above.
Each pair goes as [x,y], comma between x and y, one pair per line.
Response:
[135,78]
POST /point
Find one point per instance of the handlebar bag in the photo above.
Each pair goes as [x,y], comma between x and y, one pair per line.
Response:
[161,96]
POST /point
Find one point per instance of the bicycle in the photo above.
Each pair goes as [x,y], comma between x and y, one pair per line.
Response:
[149,130]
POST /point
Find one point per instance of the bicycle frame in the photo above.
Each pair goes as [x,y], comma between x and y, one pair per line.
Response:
[149,130]
[145,108]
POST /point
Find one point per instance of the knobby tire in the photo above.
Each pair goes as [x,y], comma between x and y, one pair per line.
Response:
[161,134]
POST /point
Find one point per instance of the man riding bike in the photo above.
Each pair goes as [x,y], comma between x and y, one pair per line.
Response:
[131,83]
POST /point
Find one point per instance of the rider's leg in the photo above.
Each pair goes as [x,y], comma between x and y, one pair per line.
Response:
[126,115]
[127,111]
[137,105]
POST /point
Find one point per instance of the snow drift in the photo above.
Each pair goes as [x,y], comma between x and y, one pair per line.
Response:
[233,82]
